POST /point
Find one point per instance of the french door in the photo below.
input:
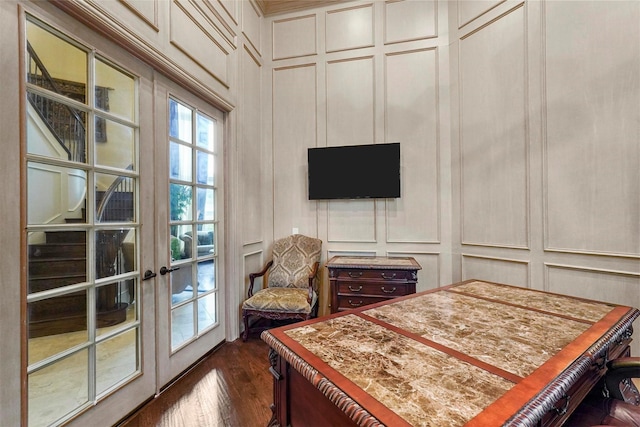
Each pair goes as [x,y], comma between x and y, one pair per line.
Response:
[189,191]
[90,316]
[123,177]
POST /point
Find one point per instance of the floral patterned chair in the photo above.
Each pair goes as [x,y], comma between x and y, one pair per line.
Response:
[290,289]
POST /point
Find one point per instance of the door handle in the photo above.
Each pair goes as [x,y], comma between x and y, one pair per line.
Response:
[164,270]
[148,275]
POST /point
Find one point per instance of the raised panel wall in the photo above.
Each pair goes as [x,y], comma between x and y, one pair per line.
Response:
[411,107]
[618,287]
[592,178]
[294,129]
[350,28]
[350,121]
[294,37]
[422,25]
[493,139]
[253,164]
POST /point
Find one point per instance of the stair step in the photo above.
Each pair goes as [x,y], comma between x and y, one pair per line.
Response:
[66,236]
[48,267]
[39,284]
[57,250]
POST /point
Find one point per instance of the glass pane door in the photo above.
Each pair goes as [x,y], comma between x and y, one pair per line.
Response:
[191,292]
[192,223]
[84,318]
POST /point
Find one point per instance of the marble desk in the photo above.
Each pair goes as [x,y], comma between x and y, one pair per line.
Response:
[473,353]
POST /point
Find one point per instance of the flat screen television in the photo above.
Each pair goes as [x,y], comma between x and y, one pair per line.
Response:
[354,172]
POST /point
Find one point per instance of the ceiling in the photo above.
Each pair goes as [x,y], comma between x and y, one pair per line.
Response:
[273,7]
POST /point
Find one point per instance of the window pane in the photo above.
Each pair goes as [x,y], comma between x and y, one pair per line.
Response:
[116,360]
[56,259]
[207,311]
[115,144]
[180,118]
[181,284]
[206,208]
[204,168]
[109,252]
[179,162]
[58,315]
[205,132]
[180,202]
[55,130]
[65,64]
[128,313]
[182,326]
[115,198]
[58,389]
[55,194]
[115,91]
[206,276]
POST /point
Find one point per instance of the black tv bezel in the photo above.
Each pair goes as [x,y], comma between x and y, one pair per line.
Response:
[357,156]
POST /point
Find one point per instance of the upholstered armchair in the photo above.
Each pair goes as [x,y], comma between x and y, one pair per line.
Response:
[615,401]
[289,288]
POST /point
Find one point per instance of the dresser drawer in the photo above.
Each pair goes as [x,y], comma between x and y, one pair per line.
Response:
[347,302]
[371,274]
[362,288]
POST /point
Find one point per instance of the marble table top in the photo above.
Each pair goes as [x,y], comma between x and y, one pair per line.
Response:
[472,343]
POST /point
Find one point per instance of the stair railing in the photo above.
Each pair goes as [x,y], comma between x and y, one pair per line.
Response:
[64,122]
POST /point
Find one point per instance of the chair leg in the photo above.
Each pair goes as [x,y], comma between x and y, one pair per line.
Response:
[245,319]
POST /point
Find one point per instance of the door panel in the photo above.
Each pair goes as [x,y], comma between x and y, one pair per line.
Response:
[188,195]
[90,228]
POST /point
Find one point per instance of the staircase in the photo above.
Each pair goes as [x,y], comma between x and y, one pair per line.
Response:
[62,261]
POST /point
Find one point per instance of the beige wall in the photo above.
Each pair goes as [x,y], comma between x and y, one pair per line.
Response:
[519,128]
[363,73]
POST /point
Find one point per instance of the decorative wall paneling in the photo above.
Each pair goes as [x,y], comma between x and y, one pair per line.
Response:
[194,36]
[565,214]
[377,80]
[145,10]
[250,142]
[493,133]
[411,116]
[252,263]
[349,28]
[496,269]
[181,49]
[398,29]
[230,8]
[591,174]
[618,287]
[294,37]
[294,130]
[251,25]
[469,10]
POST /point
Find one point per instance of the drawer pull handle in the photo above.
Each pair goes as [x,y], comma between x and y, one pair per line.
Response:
[355,304]
[355,290]
[384,276]
[565,407]
[353,275]
[388,291]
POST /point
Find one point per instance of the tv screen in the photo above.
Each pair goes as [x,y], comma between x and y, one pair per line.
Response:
[354,172]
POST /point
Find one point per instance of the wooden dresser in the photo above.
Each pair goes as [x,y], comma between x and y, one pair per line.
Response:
[359,281]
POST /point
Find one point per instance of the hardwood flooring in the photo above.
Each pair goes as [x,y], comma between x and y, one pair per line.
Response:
[232,387]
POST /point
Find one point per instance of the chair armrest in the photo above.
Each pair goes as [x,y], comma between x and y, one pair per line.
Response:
[618,370]
[312,275]
[261,273]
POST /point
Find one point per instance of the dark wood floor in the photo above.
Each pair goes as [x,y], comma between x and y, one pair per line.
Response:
[231,387]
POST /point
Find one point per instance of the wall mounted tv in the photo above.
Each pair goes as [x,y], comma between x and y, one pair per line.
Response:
[354,172]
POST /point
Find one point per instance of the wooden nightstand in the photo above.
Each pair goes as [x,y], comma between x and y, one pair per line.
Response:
[359,281]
